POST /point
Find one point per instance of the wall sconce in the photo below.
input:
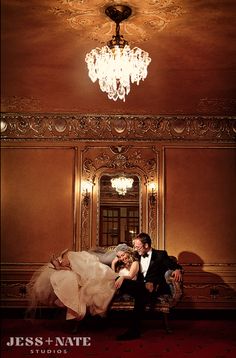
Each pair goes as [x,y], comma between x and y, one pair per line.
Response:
[152,187]
[87,187]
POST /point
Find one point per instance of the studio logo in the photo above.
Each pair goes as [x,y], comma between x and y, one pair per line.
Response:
[48,345]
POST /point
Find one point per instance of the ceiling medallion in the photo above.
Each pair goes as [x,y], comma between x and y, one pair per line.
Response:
[148,17]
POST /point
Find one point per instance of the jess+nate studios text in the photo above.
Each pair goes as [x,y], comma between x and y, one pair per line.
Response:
[57,342]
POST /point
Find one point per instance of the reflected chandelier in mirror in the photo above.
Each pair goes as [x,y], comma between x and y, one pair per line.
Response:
[119,210]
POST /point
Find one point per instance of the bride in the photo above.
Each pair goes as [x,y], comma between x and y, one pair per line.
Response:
[80,282]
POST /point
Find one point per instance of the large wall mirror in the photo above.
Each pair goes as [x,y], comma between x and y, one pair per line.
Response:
[119,210]
[107,216]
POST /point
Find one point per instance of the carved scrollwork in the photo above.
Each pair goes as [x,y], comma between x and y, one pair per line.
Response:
[111,159]
[153,210]
[16,290]
[19,126]
[140,161]
[119,149]
[85,226]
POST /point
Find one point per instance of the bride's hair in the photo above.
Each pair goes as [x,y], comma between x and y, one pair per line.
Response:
[131,258]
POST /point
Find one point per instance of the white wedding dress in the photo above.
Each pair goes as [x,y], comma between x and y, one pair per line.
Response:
[88,286]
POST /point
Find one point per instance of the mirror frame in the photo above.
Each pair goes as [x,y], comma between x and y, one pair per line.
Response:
[126,159]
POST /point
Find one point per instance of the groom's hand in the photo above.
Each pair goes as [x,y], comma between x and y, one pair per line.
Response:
[177,275]
[149,286]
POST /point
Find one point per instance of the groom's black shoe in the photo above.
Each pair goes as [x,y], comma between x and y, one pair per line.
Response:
[128,336]
[74,327]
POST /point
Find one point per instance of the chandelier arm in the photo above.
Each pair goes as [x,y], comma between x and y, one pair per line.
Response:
[118,30]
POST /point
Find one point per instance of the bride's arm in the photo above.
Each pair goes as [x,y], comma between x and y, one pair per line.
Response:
[65,263]
[132,273]
[134,268]
[61,264]
[114,262]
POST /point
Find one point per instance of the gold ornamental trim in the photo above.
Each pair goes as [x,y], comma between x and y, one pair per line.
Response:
[73,126]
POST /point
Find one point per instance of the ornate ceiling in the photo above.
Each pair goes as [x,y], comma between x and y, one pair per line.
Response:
[191,44]
[89,20]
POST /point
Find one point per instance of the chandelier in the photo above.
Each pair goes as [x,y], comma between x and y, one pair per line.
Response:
[116,65]
[121,184]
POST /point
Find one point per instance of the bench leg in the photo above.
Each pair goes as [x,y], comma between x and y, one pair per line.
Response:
[166,323]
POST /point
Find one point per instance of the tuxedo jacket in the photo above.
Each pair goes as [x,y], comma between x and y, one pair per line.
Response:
[160,263]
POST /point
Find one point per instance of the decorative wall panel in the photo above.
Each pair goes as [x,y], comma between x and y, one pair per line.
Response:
[200,203]
[200,206]
[209,286]
[37,202]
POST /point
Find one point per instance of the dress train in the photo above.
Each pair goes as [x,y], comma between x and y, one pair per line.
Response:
[88,286]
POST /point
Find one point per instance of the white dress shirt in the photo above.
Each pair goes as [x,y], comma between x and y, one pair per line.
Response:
[145,262]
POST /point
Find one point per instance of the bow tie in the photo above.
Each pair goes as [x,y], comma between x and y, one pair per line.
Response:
[145,255]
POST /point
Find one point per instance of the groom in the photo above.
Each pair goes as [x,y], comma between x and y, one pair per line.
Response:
[150,283]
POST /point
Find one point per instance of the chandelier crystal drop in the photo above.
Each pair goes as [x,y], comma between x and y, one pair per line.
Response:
[116,65]
[121,184]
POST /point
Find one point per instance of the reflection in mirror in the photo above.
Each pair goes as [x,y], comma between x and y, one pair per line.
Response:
[119,213]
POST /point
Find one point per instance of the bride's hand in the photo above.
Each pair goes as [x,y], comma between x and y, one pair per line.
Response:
[115,260]
[119,282]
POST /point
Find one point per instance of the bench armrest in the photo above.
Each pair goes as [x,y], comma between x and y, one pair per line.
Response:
[176,287]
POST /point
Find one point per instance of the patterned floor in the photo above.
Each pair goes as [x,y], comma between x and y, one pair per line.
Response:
[54,338]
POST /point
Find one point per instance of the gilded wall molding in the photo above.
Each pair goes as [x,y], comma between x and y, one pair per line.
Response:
[85,222]
[130,158]
[141,161]
[73,126]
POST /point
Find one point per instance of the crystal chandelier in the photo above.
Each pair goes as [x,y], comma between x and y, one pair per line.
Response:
[116,65]
[121,184]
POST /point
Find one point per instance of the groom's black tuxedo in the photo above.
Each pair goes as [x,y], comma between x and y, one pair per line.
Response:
[160,263]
